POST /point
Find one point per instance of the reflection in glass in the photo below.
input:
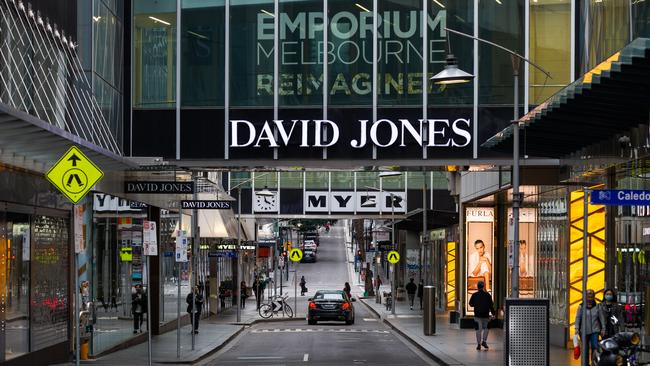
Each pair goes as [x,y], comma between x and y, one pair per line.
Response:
[154,53]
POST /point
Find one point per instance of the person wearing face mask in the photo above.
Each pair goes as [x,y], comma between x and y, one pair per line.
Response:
[595,324]
[612,312]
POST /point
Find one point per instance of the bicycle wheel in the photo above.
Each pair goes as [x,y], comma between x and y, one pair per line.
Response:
[266,311]
[288,311]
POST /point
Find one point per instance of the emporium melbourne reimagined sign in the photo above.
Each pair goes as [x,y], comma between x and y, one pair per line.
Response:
[349,50]
[452,133]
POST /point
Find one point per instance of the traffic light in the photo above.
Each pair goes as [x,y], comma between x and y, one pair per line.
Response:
[284,253]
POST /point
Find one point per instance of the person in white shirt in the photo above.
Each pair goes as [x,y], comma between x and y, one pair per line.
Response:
[480,264]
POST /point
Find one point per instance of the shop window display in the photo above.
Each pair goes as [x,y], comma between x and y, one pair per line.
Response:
[480,251]
[552,253]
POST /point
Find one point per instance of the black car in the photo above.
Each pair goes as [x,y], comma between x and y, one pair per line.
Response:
[330,305]
[308,256]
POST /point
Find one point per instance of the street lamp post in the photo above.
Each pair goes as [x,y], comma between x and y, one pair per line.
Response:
[453,75]
[264,192]
[382,175]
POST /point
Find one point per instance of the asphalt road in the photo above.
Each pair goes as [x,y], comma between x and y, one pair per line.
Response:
[367,342]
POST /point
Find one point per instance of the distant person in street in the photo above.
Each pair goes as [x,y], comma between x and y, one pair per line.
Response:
[411,289]
[482,303]
[595,322]
[195,311]
[258,287]
[421,292]
[242,296]
[348,290]
[303,286]
[377,283]
[138,308]
[612,312]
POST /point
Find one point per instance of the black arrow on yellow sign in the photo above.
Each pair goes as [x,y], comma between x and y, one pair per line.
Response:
[393,257]
[74,158]
[295,254]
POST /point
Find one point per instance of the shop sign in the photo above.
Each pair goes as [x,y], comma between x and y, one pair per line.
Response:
[181,246]
[442,133]
[351,201]
[158,187]
[526,214]
[107,203]
[479,214]
[149,238]
[206,204]
[620,197]
[222,254]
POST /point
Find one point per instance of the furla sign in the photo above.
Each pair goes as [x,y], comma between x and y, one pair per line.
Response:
[350,201]
[434,133]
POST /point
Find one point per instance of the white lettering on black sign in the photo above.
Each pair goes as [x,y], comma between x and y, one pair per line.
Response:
[350,201]
[206,205]
[159,187]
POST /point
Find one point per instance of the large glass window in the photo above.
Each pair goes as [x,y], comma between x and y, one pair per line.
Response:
[154,53]
[49,281]
[604,29]
[203,52]
[550,47]
[251,53]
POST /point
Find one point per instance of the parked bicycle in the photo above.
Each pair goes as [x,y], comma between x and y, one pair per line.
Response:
[275,305]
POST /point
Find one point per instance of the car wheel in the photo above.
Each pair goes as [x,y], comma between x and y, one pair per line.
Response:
[311,322]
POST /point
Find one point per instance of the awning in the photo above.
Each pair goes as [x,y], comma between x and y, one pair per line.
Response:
[611,98]
[213,223]
[30,143]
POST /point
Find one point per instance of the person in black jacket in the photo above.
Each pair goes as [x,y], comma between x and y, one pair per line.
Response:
[482,303]
[198,305]
[138,308]
[421,292]
[411,289]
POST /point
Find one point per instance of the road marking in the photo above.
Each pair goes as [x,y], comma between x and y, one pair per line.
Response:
[369,319]
[326,330]
[260,358]
[305,358]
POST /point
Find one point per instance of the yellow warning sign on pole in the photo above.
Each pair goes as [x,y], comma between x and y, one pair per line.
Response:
[393,257]
[74,174]
[295,255]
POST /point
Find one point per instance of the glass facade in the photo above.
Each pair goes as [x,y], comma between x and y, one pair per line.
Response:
[101,34]
[154,54]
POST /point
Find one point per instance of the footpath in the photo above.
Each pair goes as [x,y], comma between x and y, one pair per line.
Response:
[214,334]
[450,345]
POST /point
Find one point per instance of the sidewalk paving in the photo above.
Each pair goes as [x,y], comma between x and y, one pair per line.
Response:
[450,345]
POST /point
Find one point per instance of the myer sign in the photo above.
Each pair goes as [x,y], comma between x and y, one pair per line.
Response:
[350,201]
[440,133]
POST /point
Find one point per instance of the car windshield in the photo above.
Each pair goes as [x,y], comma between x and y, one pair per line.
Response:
[329,296]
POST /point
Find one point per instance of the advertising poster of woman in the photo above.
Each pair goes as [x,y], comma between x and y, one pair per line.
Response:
[479,251]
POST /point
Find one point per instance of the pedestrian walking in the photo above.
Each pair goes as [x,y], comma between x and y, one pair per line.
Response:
[138,308]
[243,296]
[595,324]
[258,287]
[303,286]
[348,290]
[612,312]
[421,292]
[483,305]
[194,311]
[411,289]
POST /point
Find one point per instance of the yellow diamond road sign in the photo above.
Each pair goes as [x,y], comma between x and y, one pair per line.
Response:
[295,255]
[393,257]
[74,174]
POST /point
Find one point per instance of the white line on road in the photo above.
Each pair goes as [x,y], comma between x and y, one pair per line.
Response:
[305,358]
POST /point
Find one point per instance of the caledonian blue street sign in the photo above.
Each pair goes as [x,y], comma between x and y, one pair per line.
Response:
[620,197]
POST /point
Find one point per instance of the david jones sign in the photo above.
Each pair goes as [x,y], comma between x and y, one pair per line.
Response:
[383,133]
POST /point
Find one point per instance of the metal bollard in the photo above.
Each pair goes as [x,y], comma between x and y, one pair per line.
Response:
[429,310]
